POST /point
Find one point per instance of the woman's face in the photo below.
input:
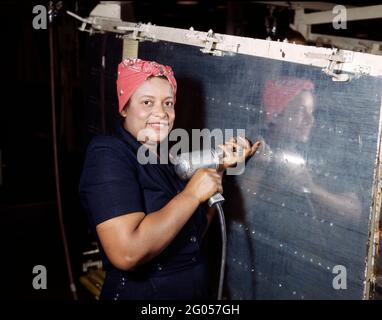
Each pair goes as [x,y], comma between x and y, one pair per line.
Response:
[150,113]
[297,119]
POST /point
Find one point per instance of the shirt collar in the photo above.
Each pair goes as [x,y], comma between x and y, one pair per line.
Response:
[125,135]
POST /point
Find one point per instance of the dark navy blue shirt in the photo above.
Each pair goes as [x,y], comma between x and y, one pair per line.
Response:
[113,183]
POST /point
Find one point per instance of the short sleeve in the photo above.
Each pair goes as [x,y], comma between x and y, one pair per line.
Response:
[109,186]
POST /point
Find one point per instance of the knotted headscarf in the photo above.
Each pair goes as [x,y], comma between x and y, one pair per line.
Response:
[133,72]
[278,94]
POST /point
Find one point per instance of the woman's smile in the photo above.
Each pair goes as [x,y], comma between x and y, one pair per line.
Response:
[158,125]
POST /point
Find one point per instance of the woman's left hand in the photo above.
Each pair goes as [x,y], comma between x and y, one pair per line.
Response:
[236,151]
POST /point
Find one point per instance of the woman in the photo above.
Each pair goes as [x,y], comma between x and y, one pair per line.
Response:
[148,222]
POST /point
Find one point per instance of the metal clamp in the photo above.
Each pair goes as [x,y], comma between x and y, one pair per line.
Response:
[138,32]
[210,44]
[102,25]
[84,21]
[334,59]
[209,40]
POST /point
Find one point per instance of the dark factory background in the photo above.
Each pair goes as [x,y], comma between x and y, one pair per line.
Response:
[31,233]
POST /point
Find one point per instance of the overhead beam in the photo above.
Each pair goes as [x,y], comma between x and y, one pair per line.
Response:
[354,44]
[310,5]
[352,14]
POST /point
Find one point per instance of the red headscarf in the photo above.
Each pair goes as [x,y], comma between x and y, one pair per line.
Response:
[278,94]
[133,72]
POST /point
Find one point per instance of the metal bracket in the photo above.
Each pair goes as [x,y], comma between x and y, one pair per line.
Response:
[100,25]
[84,21]
[210,44]
[138,32]
[335,59]
[209,40]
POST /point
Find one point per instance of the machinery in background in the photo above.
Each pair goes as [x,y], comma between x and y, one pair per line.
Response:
[93,275]
[323,13]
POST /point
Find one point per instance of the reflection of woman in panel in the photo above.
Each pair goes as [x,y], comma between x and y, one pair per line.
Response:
[289,114]
[149,223]
[285,206]
[280,214]
[289,107]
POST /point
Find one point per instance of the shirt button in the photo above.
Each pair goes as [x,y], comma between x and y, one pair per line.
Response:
[159,267]
[193,239]
[193,259]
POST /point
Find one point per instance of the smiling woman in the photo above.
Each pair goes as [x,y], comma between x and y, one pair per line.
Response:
[150,110]
[148,222]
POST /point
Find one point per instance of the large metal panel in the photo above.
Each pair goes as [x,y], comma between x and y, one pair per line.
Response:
[303,207]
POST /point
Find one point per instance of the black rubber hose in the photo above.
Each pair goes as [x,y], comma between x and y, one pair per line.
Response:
[224,249]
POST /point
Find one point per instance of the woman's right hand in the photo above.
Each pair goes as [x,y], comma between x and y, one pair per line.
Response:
[204,184]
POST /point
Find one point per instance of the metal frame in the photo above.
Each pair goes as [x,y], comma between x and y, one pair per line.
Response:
[220,44]
[374,220]
[312,5]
